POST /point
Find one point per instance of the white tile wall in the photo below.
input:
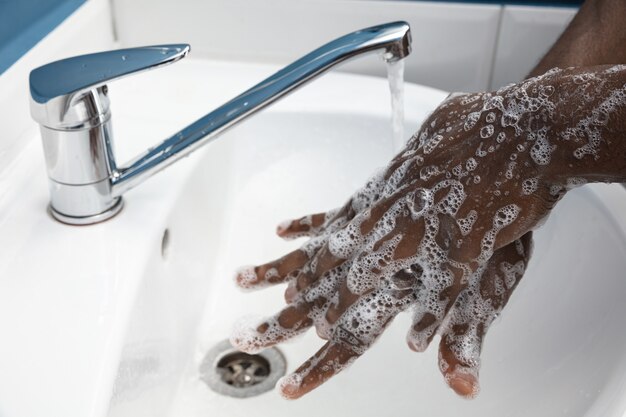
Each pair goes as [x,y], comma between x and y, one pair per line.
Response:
[526,34]
[453,43]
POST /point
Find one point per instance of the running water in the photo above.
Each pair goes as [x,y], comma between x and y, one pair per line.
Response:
[395,75]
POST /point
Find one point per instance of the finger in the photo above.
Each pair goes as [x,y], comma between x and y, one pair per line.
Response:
[389,242]
[387,260]
[459,357]
[340,247]
[306,309]
[474,311]
[385,303]
[280,270]
[345,299]
[331,359]
[311,225]
[324,289]
[353,333]
[330,250]
[252,336]
[393,232]
[442,287]
[331,221]
[322,263]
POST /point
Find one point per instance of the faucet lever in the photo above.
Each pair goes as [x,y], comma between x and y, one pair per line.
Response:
[55,88]
[69,99]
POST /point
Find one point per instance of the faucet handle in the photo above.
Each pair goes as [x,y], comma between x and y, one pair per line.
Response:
[69,99]
[58,88]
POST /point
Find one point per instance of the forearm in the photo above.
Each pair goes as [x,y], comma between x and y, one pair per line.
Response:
[571,123]
[586,136]
[596,36]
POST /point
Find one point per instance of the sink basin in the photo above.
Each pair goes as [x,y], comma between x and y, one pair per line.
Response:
[557,349]
[115,319]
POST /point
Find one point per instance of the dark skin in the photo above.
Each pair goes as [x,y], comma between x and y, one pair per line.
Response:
[446,228]
[596,36]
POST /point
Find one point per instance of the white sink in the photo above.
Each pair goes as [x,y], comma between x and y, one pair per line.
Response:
[115,319]
[558,348]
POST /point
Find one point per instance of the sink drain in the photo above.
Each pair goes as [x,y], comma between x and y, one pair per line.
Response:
[231,372]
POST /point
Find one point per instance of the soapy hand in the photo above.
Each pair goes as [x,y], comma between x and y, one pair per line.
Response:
[444,229]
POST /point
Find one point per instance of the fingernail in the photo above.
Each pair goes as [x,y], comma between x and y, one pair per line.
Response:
[291,292]
[413,346]
[245,336]
[289,386]
[464,384]
[283,227]
[323,329]
[416,342]
[245,277]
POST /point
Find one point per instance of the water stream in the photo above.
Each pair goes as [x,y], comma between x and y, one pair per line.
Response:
[395,75]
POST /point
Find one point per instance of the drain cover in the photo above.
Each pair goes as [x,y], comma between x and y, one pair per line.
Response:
[231,372]
[242,370]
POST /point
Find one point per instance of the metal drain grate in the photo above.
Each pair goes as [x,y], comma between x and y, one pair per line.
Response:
[242,370]
[231,372]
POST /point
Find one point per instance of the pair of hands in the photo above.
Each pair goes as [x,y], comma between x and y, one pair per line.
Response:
[444,229]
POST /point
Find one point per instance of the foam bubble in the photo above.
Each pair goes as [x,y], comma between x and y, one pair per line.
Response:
[575,182]
[486,131]
[431,143]
[541,151]
[510,169]
[471,164]
[471,120]
[430,171]
[466,224]
[246,278]
[529,185]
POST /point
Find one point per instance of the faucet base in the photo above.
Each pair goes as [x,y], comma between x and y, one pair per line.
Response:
[86,220]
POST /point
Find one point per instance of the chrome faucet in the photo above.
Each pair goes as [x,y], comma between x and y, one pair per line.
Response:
[69,99]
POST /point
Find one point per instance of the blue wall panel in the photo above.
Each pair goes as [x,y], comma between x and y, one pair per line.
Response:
[23,23]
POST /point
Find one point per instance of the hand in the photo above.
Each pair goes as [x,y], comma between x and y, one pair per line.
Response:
[444,229]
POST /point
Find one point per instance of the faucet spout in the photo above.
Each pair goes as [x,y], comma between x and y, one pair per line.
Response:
[393,40]
[69,99]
